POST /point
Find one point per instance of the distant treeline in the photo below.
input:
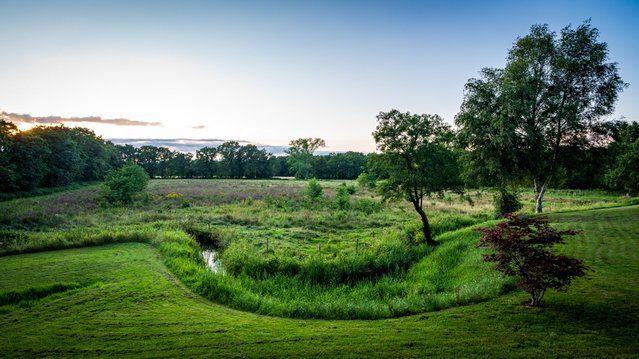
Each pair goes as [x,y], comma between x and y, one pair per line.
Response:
[53,156]
[232,160]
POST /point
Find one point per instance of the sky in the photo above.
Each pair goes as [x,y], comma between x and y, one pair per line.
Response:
[271,71]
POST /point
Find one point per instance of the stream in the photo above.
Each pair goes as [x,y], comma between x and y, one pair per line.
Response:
[212,260]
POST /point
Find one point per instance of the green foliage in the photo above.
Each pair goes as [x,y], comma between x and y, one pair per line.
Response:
[515,123]
[366,205]
[347,165]
[624,175]
[365,180]
[417,155]
[343,197]
[121,185]
[300,155]
[7,168]
[313,190]
[51,156]
[506,202]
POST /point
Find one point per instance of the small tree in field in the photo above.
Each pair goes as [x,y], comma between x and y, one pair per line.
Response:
[121,185]
[313,190]
[523,249]
[417,156]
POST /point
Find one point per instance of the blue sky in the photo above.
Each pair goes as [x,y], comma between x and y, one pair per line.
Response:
[269,72]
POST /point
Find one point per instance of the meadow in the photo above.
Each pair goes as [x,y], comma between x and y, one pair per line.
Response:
[137,283]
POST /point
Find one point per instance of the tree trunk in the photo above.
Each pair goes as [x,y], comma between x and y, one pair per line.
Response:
[539,200]
[425,225]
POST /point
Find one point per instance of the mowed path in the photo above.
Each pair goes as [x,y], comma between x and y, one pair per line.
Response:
[131,305]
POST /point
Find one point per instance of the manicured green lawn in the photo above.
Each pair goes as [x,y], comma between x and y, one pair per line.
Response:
[131,305]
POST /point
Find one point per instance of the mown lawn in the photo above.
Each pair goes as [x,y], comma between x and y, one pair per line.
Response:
[129,304]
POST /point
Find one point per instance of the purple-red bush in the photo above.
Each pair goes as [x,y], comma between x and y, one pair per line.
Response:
[523,248]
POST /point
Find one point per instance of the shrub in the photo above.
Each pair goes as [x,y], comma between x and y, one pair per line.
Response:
[366,205]
[523,249]
[343,197]
[506,202]
[365,180]
[313,190]
[121,185]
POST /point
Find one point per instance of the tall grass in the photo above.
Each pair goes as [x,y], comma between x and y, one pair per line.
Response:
[387,257]
[454,274]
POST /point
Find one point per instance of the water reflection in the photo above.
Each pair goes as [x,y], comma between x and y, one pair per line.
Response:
[213,261]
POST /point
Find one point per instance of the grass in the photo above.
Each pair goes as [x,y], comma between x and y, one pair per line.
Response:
[322,262]
[139,308]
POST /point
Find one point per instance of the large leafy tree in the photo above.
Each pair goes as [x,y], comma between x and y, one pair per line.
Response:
[255,162]
[300,155]
[94,153]
[149,158]
[64,161]
[417,156]
[230,161]
[30,153]
[206,162]
[552,90]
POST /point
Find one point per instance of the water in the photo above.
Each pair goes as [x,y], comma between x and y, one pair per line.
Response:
[212,260]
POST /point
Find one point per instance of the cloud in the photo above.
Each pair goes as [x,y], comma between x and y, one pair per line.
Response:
[23,118]
[198,127]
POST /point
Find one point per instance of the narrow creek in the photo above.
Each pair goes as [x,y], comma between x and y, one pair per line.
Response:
[213,260]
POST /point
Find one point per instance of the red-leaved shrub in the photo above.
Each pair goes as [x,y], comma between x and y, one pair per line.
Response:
[523,248]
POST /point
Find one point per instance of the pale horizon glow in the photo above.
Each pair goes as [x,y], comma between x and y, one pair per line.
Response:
[270,73]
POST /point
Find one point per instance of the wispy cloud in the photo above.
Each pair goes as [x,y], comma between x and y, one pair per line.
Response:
[198,127]
[25,118]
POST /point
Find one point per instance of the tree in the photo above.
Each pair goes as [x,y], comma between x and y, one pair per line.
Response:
[313,190]
[30,152]
[489,140]
[229,159]
[300,155]
[523,249]
[552,90]
[179,165]
[94,154]
[255,162]
[122,184]
[206,162]
[64,161]
[417,155]
[7,168]
[346,165]
[149,157]
[342,198]
[126,153]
